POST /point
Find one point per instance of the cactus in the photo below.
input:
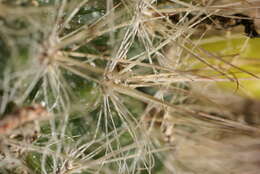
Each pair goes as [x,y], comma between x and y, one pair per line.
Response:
[116,86]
